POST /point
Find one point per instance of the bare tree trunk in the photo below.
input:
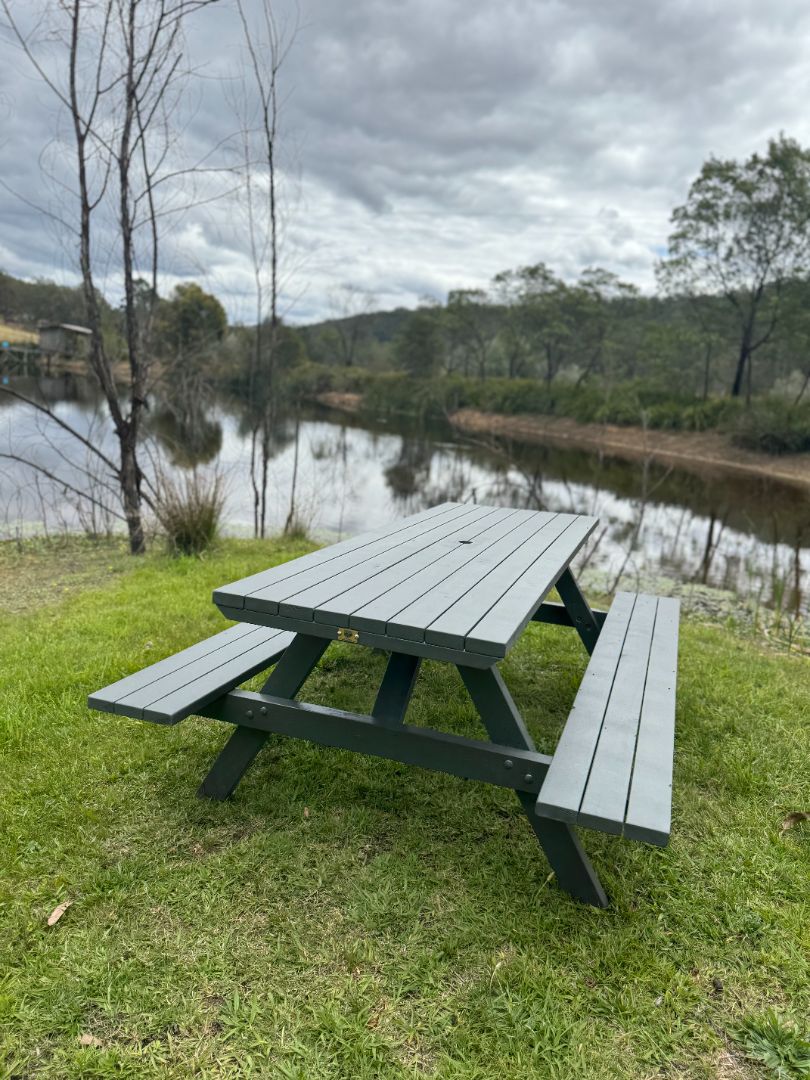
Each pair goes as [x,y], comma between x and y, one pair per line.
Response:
[264,70]
[289,524]
[707,360]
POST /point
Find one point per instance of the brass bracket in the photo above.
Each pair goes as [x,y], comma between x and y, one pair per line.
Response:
[344,634]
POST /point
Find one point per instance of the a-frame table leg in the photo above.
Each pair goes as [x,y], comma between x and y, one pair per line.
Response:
[558,840]
[579,609]
[396,688]
[286,679]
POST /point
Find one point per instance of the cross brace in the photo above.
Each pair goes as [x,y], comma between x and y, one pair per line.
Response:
[472,759]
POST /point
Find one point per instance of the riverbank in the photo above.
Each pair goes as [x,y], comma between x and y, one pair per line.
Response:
[702,452]
[329,920]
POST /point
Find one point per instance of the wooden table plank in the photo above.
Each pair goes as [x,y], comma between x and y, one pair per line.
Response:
[374,616]
[233,595]
[564,786]
[495,633]
[386,547]
[413,621]
[418,569]
[649,807]
[605,798]
[381,560]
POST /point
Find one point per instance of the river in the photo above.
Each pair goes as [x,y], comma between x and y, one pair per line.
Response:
[750,536]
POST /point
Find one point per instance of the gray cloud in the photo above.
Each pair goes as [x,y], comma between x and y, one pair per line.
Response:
[429,145]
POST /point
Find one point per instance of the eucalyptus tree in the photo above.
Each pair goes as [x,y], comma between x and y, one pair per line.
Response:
[744,234]
[471,327]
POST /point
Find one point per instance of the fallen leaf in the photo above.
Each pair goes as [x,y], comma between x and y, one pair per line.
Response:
[89,1040]
[794,819]
[58,912]
[306,811]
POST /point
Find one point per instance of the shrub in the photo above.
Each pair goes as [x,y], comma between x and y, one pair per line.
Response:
[773,426]
[189,511]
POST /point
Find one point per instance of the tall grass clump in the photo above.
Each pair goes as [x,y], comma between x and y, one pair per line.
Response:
[189,511]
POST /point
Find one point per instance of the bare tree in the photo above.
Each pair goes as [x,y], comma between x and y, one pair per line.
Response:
[347,304]
[257,104]
[116,68]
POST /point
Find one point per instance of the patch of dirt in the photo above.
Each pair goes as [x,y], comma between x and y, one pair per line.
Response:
[702,452]
[334,399]
[35,573]
[730,1064]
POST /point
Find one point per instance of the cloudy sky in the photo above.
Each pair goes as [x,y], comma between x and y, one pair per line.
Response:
[429,145]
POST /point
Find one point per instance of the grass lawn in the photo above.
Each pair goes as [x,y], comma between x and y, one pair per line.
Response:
[346,917]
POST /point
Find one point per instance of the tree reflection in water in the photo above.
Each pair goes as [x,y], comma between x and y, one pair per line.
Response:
[189,438]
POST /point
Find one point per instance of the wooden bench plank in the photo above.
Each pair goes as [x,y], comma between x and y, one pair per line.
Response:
[649,808]
[206,688]
[612,769]
[414,620]
[356,564]
[418,573]
[605,798]
[385,565]
[185,673]
[104,700]
[491,616]
[564,786]
[173,688]
[233,595]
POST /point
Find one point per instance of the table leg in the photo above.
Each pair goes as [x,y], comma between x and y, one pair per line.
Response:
[286,679]
[579,609]
[396,688]
[559,841]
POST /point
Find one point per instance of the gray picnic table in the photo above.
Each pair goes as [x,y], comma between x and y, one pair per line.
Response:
[457,583]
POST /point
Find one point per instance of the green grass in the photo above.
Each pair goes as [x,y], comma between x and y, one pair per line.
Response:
[344,917]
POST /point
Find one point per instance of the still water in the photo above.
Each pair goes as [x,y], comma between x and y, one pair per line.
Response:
[743,534]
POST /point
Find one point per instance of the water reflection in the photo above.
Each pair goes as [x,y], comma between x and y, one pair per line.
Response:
[189,436]
[745,534]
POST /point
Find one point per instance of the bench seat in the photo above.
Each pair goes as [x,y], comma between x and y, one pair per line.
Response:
[174,688]
[612,769]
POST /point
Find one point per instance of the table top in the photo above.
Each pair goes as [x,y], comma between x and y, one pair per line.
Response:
[459,576]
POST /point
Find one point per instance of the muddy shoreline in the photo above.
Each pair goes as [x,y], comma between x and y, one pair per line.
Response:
[701,452]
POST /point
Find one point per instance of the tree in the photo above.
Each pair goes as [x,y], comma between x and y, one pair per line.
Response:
[191,322]
[347,328]
[471,328]
[743,234]
[115,67]
[418,348]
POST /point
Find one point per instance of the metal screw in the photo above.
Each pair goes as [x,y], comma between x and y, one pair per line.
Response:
[528,778]
[508,763]
[249,714]
[263,710]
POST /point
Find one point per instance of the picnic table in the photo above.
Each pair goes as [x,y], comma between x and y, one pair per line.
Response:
[457,583]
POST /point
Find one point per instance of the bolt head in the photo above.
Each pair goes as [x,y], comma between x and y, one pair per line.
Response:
[508,763]
[249,714]
[528,778]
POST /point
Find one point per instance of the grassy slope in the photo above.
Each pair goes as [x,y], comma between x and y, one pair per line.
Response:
[347,917]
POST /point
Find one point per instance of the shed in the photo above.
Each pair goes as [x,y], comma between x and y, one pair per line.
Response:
[66,339]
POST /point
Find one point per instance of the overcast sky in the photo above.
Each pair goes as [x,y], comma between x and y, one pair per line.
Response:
[429,144]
